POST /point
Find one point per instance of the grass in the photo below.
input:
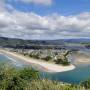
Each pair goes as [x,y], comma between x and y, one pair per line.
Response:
[29,79]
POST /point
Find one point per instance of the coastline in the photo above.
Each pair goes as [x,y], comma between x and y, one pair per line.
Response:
[48,67]
[82,58]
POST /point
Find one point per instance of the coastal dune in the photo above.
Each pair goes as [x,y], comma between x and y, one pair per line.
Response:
[48,67]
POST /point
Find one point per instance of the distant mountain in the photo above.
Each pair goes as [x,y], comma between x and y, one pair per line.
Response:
[30,44]
[14,42]
[79,40]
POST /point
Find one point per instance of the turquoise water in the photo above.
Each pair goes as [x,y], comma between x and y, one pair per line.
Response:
[82,72]
[75,76]
[10,60]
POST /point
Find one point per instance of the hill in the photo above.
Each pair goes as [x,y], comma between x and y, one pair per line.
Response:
[37,44]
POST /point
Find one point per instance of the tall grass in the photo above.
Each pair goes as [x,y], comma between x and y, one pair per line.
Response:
[28,79]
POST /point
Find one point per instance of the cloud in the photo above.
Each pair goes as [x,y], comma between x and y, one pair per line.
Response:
[33,26]
[2,5]
[43,2]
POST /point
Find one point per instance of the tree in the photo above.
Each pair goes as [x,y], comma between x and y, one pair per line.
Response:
[47,58]
[62,59]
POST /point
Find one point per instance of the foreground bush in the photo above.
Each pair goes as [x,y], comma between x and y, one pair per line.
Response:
[52,85]
[29,79]
[86,84]
[14,79]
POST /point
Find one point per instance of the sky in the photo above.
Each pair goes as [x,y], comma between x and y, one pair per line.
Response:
[45,19]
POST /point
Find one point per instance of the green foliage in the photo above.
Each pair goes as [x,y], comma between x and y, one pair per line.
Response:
[52,85]
[62,61]
[47,58]
[86,84]
[36,56]
[28,79]
[29,74]
[13,79]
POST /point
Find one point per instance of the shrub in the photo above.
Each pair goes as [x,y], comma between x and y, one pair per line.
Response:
[14,79]
[47,58]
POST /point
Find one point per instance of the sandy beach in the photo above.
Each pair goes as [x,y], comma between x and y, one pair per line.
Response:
[48,67]
[82,58]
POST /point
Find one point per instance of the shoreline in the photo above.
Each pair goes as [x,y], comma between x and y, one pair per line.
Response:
[48,67]
[82,58]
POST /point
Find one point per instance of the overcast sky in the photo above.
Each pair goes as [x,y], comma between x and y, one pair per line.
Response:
[45,19]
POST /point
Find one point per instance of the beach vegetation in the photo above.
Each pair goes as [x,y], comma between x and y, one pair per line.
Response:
[50,55]
[48,58]
[62,61]
[27,78]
